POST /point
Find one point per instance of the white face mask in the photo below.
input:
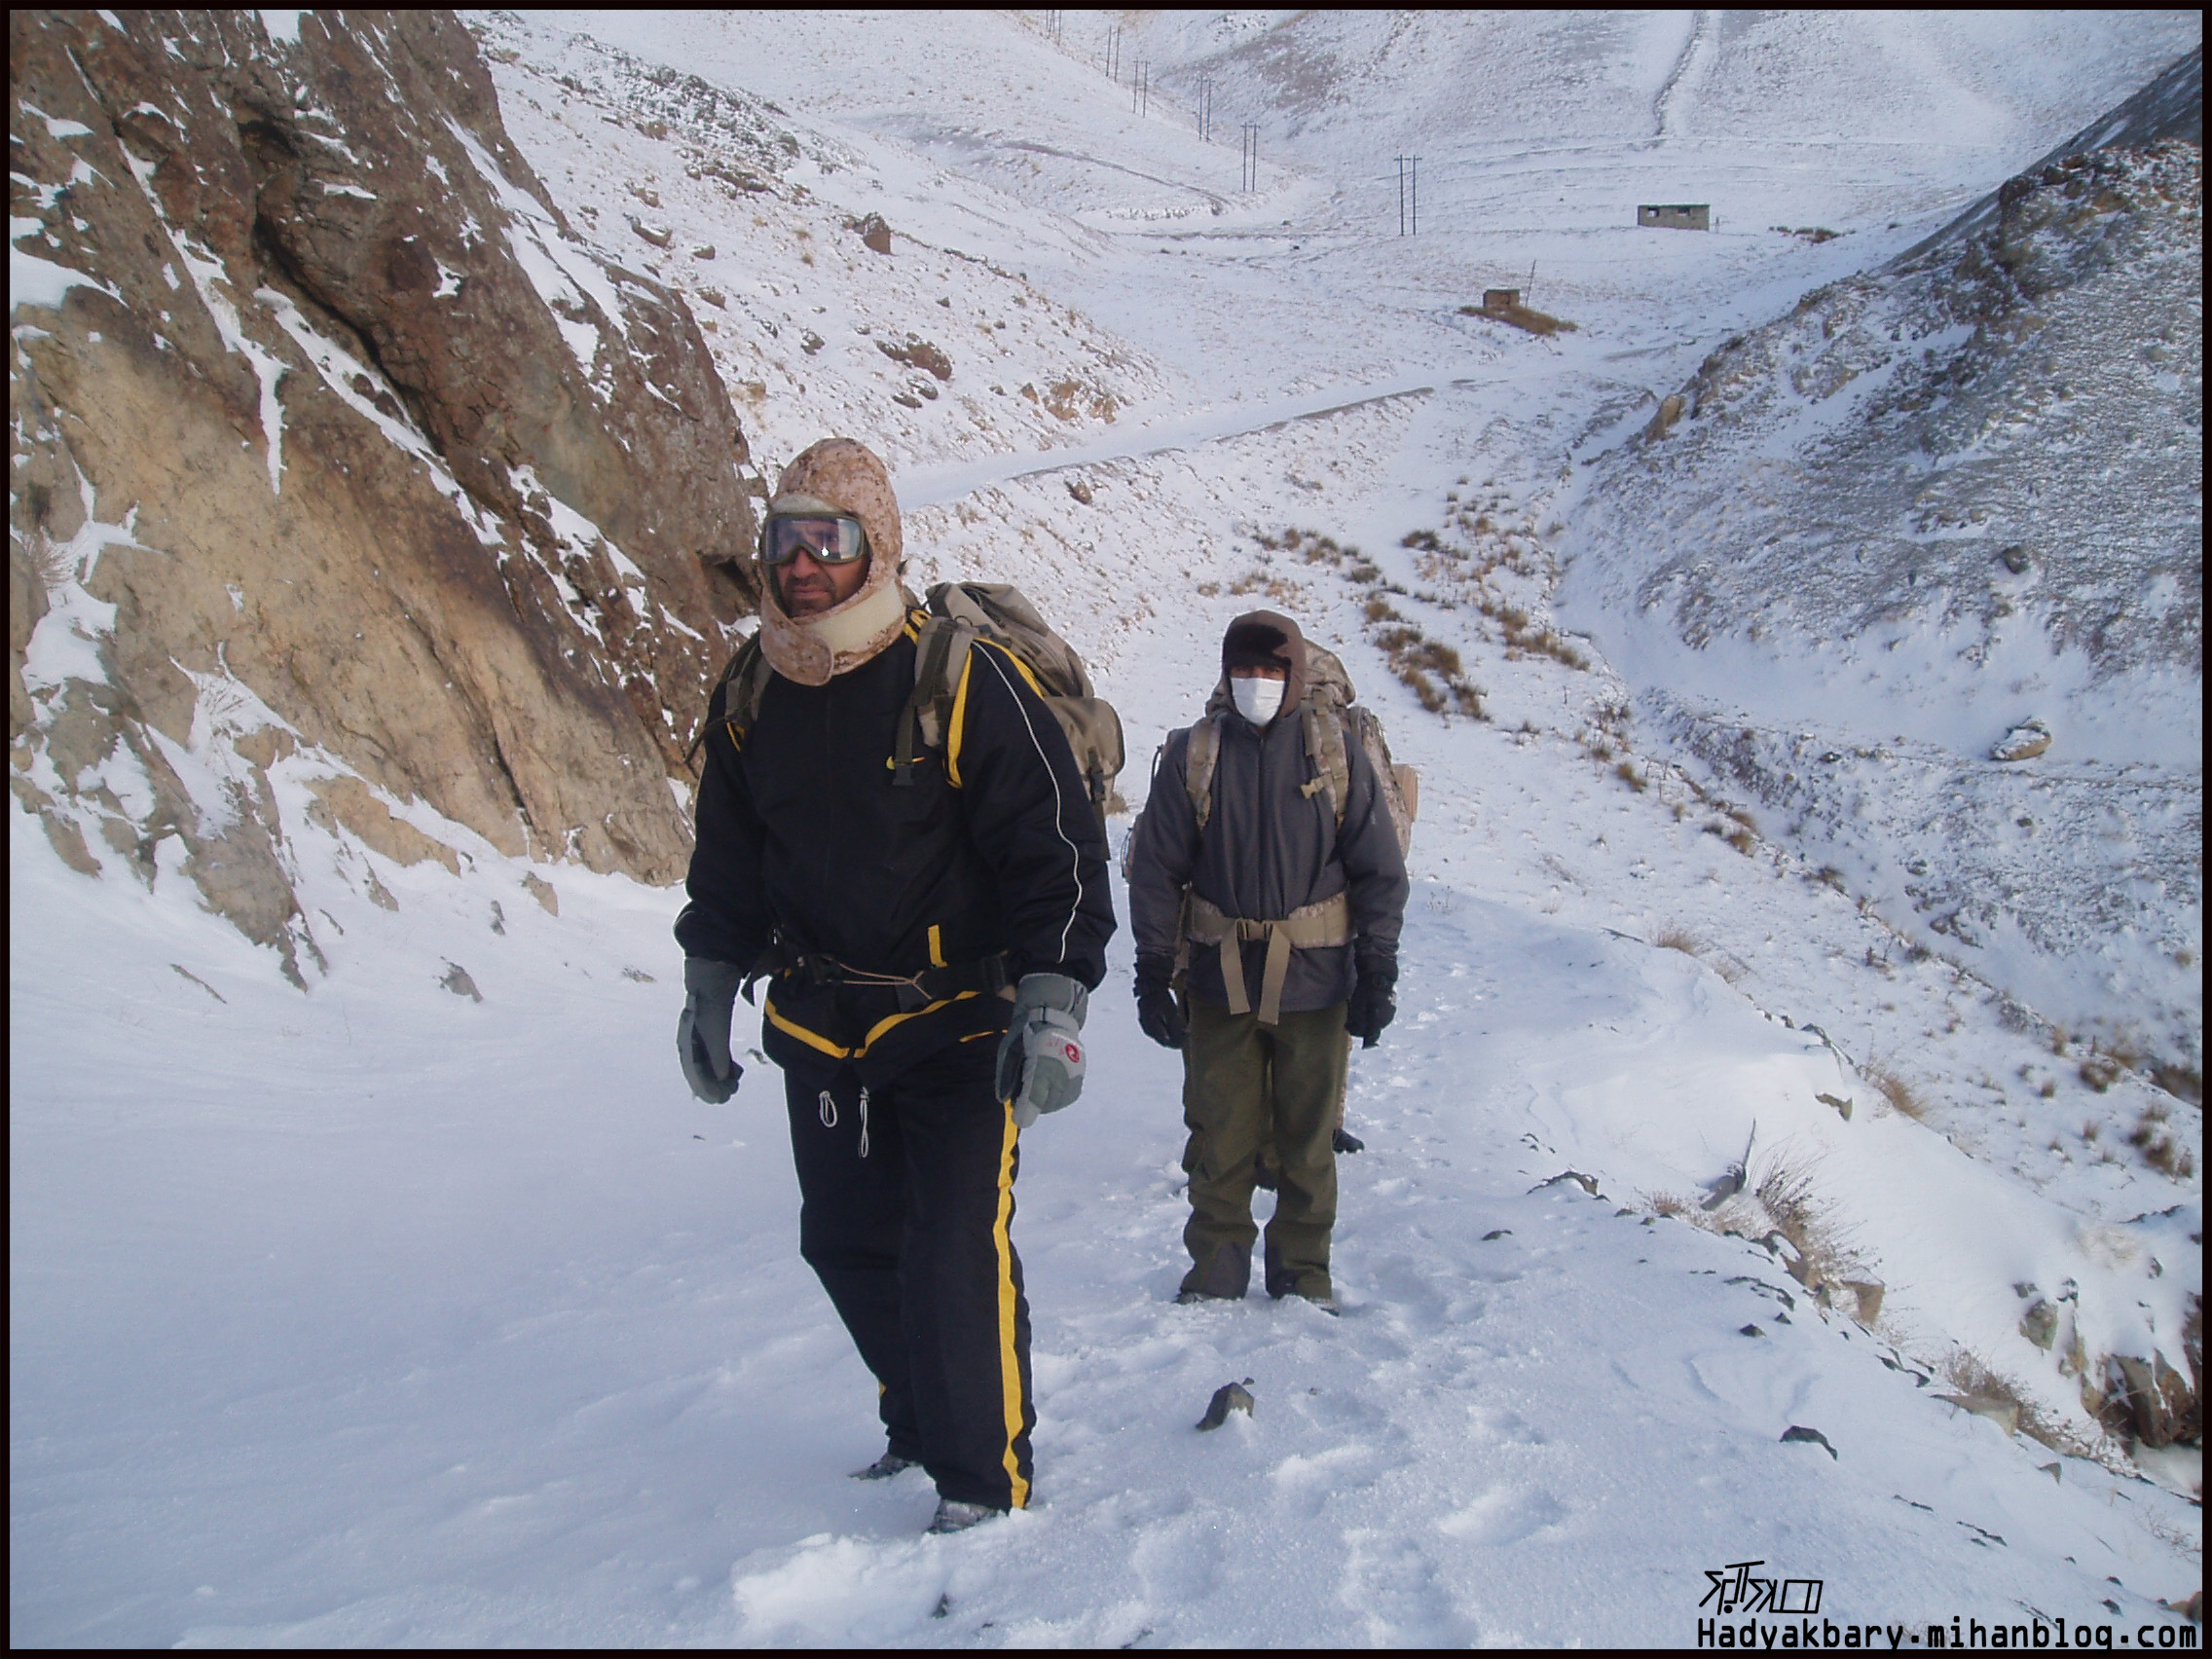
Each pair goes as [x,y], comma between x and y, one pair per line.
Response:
[1258,700]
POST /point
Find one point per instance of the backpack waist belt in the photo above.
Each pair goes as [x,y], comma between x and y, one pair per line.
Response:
[987,975]
[1323,923]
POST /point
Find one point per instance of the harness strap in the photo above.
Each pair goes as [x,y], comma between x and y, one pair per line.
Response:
[1316,926]
[987,975]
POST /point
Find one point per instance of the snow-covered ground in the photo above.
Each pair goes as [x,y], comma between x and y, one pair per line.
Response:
[387,1315]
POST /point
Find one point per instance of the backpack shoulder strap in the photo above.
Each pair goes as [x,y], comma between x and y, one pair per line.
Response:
[1325,748]
[940,657]
[743,682]
[1198,758]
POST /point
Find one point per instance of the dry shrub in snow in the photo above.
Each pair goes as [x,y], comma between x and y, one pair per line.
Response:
[1893,1089]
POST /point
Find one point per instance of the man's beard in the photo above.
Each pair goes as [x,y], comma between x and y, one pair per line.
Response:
[809,597]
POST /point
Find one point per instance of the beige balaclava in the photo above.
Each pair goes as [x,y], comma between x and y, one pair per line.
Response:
[846,475]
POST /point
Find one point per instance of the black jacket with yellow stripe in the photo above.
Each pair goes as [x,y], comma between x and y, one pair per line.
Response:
[805,841]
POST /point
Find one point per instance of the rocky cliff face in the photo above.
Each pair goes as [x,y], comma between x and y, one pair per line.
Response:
[332,439]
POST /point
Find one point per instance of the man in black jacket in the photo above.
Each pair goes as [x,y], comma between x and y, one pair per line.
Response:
[930,935]
[1274,891]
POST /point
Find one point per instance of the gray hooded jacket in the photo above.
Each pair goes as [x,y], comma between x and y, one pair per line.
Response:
[1271,843]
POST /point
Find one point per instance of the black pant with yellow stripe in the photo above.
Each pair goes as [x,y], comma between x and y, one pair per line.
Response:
[906,1201]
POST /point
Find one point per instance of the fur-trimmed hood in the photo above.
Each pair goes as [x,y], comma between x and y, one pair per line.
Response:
[846,474]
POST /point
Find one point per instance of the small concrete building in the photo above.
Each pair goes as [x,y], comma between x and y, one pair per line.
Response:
[1678,216]
[1501,299]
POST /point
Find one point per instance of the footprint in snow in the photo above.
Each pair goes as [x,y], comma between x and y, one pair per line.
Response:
[1504,1514]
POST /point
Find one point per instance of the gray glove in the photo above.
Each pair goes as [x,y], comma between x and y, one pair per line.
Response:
[1041,1055]
[702,1031]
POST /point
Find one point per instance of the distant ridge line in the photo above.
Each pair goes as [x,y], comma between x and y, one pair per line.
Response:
[2171,106]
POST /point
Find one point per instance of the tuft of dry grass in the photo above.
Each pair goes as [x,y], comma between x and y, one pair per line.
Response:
[2155,1140]
[1786,1192]
[2099,1071]
[1430,669]
[2183,1083]
[1968,1373]
[1678,939]
[1893,1089]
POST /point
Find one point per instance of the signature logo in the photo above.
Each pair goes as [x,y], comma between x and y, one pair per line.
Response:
[1738,1589]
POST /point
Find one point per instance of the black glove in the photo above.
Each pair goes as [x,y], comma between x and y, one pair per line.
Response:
[1157,1017]
[701,1030]
[1374,999]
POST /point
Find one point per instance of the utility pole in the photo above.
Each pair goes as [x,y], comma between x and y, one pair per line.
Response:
[1205,109]
[1113,54]
[1251,157]
[1401,196]
[1412,181]
[1140,88]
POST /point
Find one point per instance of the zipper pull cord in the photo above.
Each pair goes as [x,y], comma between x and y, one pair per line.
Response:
[864,1120]
[827,1108]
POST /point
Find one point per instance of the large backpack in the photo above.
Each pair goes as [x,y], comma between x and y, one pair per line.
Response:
[959,613]
[1329,712]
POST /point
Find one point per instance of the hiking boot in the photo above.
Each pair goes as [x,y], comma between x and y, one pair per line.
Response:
[1339,1141]
[1184,1298]
[885,1467]
[1309,1283]
[953,1516]
[1224,1276]
[1326,1303]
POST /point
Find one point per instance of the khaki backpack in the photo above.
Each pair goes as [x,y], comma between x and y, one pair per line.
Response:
[1329,712]
[958,614]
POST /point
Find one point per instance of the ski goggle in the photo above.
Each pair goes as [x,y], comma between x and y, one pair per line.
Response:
[835,541]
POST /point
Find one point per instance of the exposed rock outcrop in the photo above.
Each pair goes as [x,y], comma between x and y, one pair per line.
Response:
[329,431]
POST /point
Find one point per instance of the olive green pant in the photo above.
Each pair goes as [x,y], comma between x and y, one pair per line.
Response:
[1244,1085]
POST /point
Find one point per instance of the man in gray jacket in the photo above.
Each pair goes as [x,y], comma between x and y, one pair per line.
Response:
[1286,887]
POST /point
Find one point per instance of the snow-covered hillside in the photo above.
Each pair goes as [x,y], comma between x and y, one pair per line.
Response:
[1934,504]
[428,1308]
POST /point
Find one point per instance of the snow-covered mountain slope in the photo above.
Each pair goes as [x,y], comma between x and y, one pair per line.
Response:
[1932,504]
[387,1315]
